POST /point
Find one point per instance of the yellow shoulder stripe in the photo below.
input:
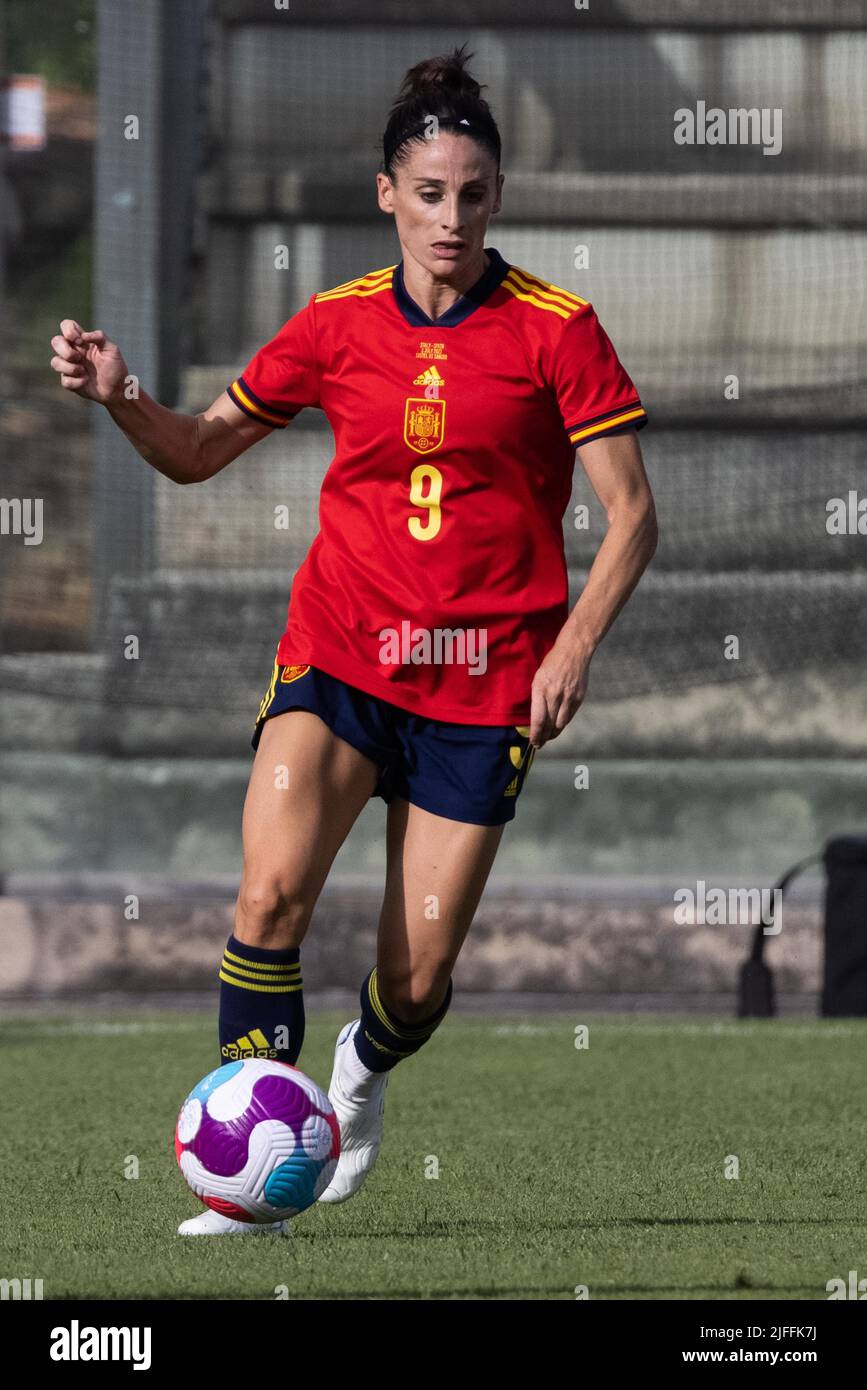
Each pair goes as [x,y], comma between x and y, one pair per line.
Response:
[371,283]
[527,278]
[543,295]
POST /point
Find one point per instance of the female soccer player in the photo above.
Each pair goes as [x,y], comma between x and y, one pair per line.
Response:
[429,650]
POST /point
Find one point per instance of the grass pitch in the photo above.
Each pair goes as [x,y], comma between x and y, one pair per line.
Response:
[558,1167]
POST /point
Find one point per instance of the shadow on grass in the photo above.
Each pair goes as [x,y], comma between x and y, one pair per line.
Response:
[444,1230]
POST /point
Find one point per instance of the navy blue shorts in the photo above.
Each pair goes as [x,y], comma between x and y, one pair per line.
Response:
[465,772]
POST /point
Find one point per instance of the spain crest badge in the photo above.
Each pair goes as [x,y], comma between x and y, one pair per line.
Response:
[423,424]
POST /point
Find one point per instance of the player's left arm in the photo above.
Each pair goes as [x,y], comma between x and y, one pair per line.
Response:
[616,471]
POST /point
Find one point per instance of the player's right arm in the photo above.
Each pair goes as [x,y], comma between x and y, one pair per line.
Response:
[185,448]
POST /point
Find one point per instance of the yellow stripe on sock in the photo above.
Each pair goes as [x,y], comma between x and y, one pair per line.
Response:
[262,967]
[399,1030]
[259,989]
[241,973]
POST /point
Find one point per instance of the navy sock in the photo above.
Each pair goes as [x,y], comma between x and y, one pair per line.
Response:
[261,1003]
[383,1040]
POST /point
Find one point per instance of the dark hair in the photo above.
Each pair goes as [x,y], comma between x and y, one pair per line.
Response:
[443,88]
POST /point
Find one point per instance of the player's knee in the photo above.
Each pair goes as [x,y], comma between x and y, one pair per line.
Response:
[270,913]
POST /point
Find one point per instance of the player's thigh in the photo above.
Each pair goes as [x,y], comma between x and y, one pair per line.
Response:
[307,787]
[436,874]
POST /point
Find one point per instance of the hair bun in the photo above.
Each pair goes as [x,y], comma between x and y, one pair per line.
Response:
[439,87]
[446,70]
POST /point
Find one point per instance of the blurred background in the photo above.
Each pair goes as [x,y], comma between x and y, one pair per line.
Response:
[156,158]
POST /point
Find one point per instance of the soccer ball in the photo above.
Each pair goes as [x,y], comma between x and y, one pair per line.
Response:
[257,1140]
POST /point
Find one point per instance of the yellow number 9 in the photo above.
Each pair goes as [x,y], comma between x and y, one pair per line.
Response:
[430,501]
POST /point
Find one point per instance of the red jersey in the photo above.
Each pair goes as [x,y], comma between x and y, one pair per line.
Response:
[437,580]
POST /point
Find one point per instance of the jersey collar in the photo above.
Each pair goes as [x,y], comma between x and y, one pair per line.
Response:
[462,307]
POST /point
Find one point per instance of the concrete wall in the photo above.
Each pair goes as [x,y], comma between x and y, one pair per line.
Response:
[595,948]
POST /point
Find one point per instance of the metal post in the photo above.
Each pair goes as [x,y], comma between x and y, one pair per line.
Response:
[4,218]
[150,82]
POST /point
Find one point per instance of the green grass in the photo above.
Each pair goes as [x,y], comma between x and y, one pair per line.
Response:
[558,1167]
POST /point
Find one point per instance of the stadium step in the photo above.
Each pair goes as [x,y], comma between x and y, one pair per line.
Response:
[580,942]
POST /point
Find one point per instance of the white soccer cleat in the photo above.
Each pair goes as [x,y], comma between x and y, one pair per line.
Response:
[358,1097]
[211,1223]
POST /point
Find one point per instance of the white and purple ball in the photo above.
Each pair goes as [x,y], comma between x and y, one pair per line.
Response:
[257,1140]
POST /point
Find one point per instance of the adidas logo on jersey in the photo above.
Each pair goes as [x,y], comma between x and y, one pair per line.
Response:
[430,378]
[253,1045]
